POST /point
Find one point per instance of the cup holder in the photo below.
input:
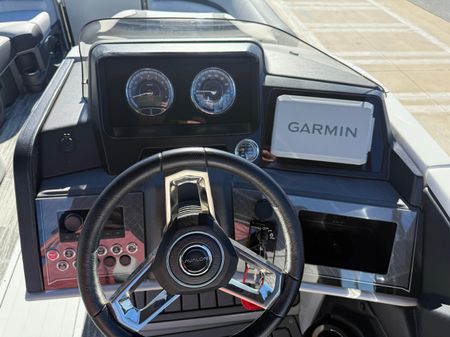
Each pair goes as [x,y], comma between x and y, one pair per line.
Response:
[328,330]
[30,72]
[34,79]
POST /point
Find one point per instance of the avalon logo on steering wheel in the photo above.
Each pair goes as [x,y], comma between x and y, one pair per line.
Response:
[195,260]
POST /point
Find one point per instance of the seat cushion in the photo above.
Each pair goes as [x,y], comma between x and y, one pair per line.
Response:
[35,6]
[26,29]
[41,19]
[6,52]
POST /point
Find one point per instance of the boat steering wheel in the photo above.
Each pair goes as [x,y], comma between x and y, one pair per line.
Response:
[194,255]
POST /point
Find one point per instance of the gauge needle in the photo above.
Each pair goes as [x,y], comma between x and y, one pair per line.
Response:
[214,92]
[144,94]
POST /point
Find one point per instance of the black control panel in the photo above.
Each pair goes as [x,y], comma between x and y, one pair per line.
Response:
[71,222]
[166,75]
[116,65]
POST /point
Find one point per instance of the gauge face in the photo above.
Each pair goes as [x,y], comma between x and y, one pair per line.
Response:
[213,91]
[247,149]
[149,92]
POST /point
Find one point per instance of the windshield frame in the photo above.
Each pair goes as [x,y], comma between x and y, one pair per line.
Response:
[85,54]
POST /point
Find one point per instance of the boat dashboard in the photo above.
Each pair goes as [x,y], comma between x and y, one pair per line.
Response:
[326,142]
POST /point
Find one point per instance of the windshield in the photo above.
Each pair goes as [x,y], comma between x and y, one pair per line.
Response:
[280,48]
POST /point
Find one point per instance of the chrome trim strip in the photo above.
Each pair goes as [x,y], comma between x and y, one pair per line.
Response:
[401,261]
[307,287]
[356,294]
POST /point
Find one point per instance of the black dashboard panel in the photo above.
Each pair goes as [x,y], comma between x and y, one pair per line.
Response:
[182,118]
[322,185]
[129,136]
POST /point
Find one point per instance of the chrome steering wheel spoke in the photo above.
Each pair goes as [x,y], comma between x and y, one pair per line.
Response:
[256,280]
[126,313]
[174,182]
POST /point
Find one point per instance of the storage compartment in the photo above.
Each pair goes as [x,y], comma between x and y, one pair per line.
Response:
[347,242]
[33,67]
[35,81]
[27,63]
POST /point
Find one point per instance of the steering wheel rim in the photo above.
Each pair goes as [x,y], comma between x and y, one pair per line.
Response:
[99,307]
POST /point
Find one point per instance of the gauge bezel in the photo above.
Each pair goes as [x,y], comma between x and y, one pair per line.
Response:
[159,73]
[250,141]
[197,79]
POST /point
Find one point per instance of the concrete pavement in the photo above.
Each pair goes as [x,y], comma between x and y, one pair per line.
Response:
[402,45]
[437,7]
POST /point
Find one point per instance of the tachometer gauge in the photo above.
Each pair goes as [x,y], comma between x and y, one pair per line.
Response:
[213,91]
[149,92]
[247,149]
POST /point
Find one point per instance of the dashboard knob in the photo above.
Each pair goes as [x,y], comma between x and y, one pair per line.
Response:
[72,222]
[125,260]
[109,261]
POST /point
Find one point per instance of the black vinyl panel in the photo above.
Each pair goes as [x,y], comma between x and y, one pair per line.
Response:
[436,249]
[26,177]
[409,184]
[434,310]
[120,120]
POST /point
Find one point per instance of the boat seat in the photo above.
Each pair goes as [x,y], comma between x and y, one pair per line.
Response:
[6,52]
[26,29]
[29,32]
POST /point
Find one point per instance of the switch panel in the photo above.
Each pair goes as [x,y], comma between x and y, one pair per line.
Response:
[121,248]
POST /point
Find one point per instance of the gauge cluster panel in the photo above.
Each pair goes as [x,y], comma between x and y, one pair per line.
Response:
[151,97]
[143,92]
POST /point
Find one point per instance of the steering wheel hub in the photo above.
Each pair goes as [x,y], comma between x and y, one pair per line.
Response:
[195,260]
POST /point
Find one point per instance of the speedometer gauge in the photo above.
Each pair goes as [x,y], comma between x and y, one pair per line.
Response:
[149,92]
[213,91]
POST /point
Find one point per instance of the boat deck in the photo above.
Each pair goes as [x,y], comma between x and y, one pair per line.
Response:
[19,317]
[57,317]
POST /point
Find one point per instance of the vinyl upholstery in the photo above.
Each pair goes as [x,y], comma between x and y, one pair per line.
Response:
[26,29]
[6,52]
